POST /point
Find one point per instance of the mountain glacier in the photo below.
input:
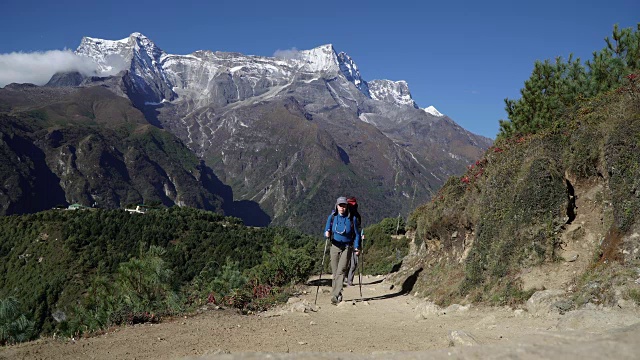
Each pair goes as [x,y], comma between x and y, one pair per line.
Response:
[191,76]
[300,128]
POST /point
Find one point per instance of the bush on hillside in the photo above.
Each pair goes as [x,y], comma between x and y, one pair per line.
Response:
[14,326]
[126,268]
[381,251]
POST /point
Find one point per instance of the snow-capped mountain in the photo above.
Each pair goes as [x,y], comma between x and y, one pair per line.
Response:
[166,77]
[272,127]
[351,72]
[433,111]
[396,92]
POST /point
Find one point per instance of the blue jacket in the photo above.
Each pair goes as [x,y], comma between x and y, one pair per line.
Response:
[341,229]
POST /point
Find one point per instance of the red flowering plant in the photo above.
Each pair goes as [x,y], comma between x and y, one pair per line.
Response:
[474,171]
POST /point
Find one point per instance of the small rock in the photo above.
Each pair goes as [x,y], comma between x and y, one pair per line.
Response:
[626,304]
[570,256]
[302,343]
[562,306]
[427,309]
[299,307]
[518,313]
[540,302]
[460,337]
[312,323]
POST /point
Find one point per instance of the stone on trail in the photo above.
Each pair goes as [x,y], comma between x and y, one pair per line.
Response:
[456,308]
[540,303]
[461,338]
[570,256]
[427,309]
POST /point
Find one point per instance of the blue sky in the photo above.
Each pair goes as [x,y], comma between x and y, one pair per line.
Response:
[463,57]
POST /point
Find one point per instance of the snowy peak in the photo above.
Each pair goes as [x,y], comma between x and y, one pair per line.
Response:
[115,55]
[161,76]
[433,111]
[143,43]
[395,92]
[137,54]
[108,54]
[350,70]
[321,58]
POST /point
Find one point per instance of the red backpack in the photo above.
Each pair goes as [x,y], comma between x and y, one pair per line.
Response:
[352,206]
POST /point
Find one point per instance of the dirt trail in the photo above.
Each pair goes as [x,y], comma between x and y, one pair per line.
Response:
[386,324]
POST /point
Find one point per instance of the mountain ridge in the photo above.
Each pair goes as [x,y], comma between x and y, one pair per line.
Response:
[236,111]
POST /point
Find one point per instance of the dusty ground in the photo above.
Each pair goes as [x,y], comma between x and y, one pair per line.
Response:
[384,325]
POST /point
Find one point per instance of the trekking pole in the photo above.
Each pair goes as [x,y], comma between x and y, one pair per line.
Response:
[361,261]
[324,252]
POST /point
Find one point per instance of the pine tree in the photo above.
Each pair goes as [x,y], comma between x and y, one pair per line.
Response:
[553,87]
[14,327]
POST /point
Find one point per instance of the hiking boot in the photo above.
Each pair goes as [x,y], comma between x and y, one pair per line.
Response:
[334,300]
[350,284]
[340,297]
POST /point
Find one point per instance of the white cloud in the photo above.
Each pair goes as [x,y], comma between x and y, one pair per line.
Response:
[286,54]
[114,63]
[38,67]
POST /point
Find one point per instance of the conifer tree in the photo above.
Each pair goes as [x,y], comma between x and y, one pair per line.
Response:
[14,327]
[553,87]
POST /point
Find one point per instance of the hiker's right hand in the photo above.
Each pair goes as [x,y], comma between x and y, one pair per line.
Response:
[327,234]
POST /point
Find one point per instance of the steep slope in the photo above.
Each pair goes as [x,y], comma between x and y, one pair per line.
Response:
[533,201]
[89,146]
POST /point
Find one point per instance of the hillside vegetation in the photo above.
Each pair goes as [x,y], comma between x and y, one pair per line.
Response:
[573,125]
[78,271]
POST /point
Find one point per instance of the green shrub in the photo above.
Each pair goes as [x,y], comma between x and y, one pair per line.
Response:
[381,251]
[283,265]
[14,326]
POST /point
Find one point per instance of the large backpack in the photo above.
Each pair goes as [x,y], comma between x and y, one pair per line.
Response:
[352,207]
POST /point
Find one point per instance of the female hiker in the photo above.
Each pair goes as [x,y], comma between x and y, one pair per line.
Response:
[341,229]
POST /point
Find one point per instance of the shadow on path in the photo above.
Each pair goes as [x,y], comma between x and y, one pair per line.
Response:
[321,282]
[405,289]
[327,282]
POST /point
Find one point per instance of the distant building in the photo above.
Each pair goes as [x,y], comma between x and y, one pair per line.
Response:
[140,209]
[77,207]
